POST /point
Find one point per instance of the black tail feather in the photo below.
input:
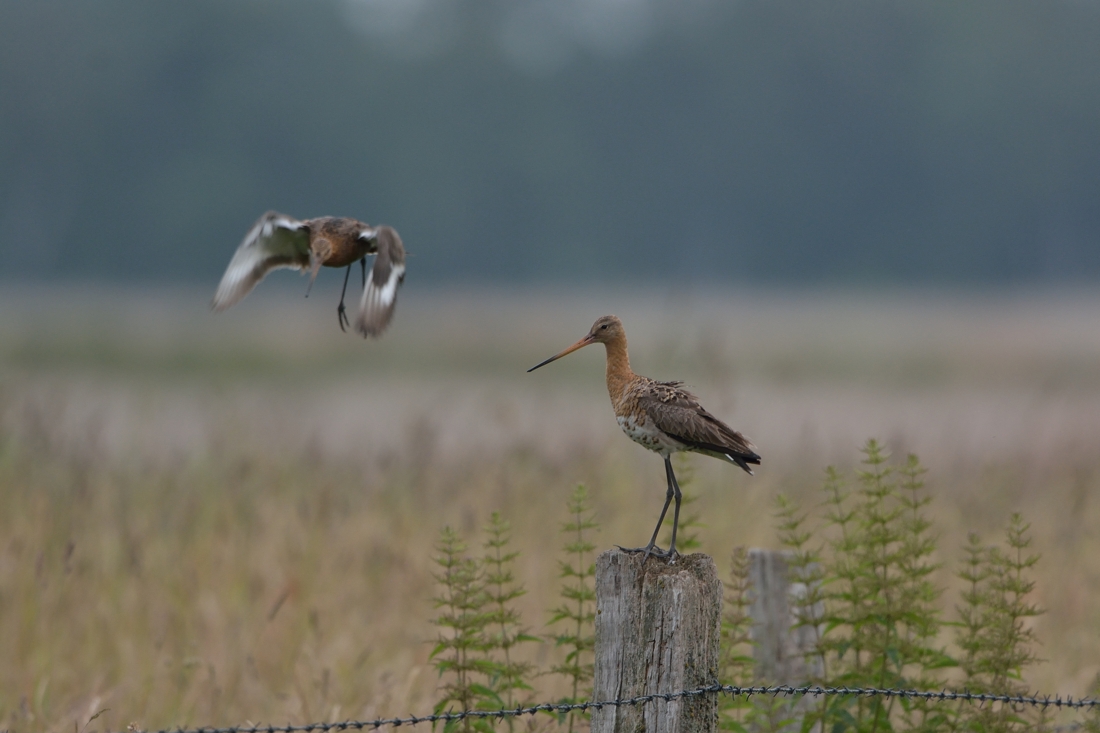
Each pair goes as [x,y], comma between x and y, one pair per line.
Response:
[742,459]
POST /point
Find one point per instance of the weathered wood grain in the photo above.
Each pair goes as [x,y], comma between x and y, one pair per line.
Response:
[657,631]
[783,651]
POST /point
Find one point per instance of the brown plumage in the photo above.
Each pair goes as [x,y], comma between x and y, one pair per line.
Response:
[661,416]
[277,241]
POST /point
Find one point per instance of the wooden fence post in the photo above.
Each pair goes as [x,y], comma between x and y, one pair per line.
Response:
[783,652]
[657,631]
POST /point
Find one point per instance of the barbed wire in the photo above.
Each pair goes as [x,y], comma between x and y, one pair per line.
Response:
[1037,700]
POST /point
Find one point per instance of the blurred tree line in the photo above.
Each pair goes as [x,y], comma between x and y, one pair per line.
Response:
[790,141]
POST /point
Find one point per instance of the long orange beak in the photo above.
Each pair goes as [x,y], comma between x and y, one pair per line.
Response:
[580,344]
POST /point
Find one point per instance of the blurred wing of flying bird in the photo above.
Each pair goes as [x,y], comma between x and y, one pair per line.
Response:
[274,242]
[380,291]
[661,416]
[278,241]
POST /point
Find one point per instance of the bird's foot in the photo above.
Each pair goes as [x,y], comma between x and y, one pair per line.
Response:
[653,550]
[342,315]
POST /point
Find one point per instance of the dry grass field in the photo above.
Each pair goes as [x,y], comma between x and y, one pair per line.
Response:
[219,519]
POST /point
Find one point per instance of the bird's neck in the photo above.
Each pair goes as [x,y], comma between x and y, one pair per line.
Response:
[619,373]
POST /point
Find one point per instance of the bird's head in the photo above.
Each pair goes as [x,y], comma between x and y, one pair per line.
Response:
[604,330]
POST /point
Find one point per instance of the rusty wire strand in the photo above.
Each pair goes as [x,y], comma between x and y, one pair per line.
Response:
[1037,700]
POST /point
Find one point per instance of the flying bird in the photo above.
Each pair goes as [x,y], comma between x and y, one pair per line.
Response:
[663,417]
[277,241]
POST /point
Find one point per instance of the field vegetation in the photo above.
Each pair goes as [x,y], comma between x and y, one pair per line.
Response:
[216,520]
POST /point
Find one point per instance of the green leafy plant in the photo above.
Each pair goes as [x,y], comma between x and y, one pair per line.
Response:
[881,619]
[461,647]
[736,634]
[578,608]
[806,573]
[736,663]
[882,615]
[1092,717]
[862,599]
[503,628]
[868,595]
[993,632]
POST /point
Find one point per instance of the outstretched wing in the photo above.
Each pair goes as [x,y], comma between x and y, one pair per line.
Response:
[380,295]
[677,412]
[274,241]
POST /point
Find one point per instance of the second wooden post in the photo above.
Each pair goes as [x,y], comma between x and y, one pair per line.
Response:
[657,632]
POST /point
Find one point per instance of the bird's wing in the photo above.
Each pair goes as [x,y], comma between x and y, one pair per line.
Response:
[380,295]
[274,241]
[677,412]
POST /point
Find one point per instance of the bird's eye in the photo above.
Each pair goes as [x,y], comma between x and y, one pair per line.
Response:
[603,326]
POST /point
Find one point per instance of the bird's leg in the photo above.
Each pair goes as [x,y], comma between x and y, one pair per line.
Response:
[363,267]
[341,311]
[652,548]
[676,512]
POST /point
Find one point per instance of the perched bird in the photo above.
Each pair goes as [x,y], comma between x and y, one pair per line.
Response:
[661,416]
[277,241]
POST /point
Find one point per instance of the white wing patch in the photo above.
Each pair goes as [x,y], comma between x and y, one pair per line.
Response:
[376,308]
[282,223]
[388,292]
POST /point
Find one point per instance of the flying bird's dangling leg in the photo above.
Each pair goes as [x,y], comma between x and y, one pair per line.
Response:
[341,311]
[363,267]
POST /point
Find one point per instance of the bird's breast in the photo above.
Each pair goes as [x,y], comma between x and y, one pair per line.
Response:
[642,431]
[345,251]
